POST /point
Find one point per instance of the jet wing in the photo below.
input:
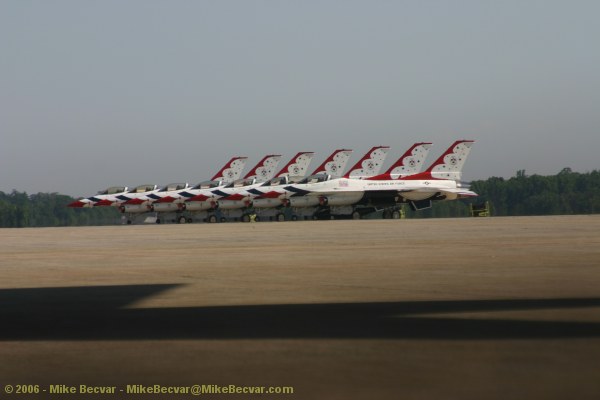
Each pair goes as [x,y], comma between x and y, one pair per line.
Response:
[456,192]
[461,192]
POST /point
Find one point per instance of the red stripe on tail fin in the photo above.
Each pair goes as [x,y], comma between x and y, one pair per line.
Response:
[370,164]
[232,170]
[335,164]
[449,164]
[298,165]
[265,169]
[411,162]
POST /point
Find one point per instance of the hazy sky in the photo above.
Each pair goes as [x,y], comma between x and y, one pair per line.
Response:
[101,93]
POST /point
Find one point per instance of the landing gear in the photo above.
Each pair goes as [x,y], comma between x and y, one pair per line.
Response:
[356,215]
[280,217]
[181,220]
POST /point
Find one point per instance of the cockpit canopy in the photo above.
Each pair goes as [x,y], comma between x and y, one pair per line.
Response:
[114,190]
[315,178]
[143,188]
[241,183]
[174,186]
[208,185]
[279,180]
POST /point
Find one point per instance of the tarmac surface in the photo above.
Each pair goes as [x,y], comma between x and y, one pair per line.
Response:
[482,308]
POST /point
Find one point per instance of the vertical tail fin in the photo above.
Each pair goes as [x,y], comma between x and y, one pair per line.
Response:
[411,162]
[231,171]
[265,169]
[370,164]
[335,164]
[449,165]
[298,165]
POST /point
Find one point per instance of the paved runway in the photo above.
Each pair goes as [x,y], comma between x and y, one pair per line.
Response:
[410,309]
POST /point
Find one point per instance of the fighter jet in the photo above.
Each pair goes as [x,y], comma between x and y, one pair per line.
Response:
[295,169]
[102,195]
[242,199]
[117,200]
[206,196]
[441,181]
[140,199]
[239,197]
[287,201]
[262,199]
[292,195]
[171,201]
[268,194]
[144,202]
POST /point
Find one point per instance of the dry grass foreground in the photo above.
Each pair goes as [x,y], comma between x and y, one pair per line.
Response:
[505,308]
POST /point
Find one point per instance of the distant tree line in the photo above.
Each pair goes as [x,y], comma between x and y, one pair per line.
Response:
[567,192]
[18,210]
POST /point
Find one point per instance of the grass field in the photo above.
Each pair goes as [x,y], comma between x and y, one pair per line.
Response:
[490,308]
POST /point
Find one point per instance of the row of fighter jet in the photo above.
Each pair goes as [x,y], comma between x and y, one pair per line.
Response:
[289,195]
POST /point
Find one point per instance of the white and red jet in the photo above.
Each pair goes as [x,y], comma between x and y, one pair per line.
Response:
[252,196]
[236,198]
[100,198]
[118,199]
[240,195]
[268,194]
[237,205]
[205,196]
[141,198]
[141,202]
[441,181]
[369,165]
[171,201]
